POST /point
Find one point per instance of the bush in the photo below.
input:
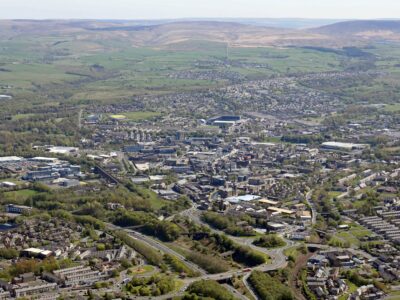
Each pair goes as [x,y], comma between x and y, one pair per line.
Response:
[270,241]
[179,266]
[248,256]
[151,255]
[8,253]
[209,263]
[210,289]
[151,286]
[225,223]
[268,287]
[241,254]
[163,230]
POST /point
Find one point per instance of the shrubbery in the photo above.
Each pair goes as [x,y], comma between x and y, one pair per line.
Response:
[179,266]
[151,255]
[226,224]
[268,287]
[152,286]
[270,241]
[210,289]
[163,230]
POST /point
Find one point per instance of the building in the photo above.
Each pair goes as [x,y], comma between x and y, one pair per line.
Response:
[343,146]
[80,275]
[17,209]
[9,159]
[227,119]
[35,288]
[276,210]
[36,253]
[62,150]
[7,184]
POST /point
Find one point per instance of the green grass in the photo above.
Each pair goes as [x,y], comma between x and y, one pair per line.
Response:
[140,115]
[20,195]
[352,236]
[333,194]
[348,237]
[395,295]
[22,116]
[39,63]
[292,251]
[142,269]
[351,290]
[392,107]
[155,201]
[360,233]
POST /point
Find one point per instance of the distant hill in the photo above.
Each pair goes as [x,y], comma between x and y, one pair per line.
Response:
[159,35]
[177,32]
[363,29]
[187,34]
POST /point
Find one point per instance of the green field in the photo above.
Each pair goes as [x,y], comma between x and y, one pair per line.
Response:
[20,195]
[18,117]
[351,237]
[392,107]
[119,71]
[136,115]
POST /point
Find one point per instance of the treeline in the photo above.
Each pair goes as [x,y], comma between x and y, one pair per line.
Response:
[151,286]
[209,289]
[226,224]
[152,256]
[164,230]
[178,266]
[268,287]
[83,220]
[270,241]
[89,203]
[303,139]
[32,265]
[241,254]
[211,264]
[8,253]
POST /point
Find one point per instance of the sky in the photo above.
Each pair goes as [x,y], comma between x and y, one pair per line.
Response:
[172,9]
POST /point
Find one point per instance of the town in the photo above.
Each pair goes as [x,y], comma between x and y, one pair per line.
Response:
[201,159]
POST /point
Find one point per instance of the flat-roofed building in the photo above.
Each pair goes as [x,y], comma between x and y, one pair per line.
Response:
[280,211]
[37,253]
[8,159]
[17,209]
[343,146]
[30,289]
[268,202]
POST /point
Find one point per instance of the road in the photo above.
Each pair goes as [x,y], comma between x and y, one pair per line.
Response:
[249,287]
[277,257]
[161,247]
[235,292]
[80,119]
[311,204]
[156,245]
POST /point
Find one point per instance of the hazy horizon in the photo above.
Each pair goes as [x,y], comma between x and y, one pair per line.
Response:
[193,9]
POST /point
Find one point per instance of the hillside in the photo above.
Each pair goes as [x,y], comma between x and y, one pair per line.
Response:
[366,29]
[171,34]
[158,35]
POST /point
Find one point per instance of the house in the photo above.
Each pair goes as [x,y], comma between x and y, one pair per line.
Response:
[7,184]
[17,209]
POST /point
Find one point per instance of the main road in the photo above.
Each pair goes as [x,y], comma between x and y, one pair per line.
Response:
[277,257]
[312,206]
